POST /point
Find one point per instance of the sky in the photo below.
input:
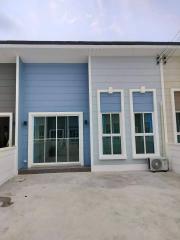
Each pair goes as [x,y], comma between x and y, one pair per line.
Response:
[90,20]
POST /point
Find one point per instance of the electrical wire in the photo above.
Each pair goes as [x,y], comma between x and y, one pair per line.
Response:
[169,52]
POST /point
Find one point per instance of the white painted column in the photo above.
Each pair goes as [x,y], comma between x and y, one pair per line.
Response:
[90,111]
[17,110]
[165,142]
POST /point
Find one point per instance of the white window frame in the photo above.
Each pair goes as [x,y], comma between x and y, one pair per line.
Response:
[155,126]
[31,134]
[122,127]
[10,115]
[175,133]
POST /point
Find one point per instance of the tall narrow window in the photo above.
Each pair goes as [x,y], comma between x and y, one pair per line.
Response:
[177,115]
[144,135]
[144,124]
[111,135]
[110,121]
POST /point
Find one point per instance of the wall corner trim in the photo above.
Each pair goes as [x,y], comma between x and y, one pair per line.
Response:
[17,110]
[90,111]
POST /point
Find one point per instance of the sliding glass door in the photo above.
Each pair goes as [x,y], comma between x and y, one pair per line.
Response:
[56,139]
[67,139]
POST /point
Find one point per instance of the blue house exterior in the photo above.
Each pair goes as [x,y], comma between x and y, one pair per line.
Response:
[108,106]
[53,88]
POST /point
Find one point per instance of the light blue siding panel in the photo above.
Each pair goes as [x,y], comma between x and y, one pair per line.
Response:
[56,68]
[55,88]
[123,73]
[143,102]
[110,102]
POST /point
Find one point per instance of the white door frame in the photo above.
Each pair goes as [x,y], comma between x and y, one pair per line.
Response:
[31,133]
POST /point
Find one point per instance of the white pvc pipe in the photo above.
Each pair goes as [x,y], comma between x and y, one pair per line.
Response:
[164,108]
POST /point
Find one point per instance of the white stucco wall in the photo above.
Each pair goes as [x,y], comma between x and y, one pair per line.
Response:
[8,165]
[174,157]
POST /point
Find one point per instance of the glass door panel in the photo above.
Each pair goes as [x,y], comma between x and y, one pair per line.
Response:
[56,139]
[62,123]
[62,127]
[73,127]
[68,139]
[73,139]
[62,150]
[50,142]
[38,151]
[73,150]
[39,134]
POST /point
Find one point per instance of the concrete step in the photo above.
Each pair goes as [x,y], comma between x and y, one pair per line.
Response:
[54,169]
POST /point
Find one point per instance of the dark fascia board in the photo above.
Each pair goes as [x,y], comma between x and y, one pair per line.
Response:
[86,43]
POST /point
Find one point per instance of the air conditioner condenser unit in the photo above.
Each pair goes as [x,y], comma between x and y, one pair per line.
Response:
[158,164]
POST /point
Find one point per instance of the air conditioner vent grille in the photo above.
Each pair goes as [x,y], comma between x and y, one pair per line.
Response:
[156,164]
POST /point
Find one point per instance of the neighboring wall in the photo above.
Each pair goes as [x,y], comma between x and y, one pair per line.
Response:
[172,80]
[8,89]
[173,155]
[8,166]
[123,73]
[54,88]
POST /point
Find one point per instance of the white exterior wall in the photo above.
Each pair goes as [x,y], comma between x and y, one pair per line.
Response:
[122,73]
[8,165]
[173,155]
[171,80]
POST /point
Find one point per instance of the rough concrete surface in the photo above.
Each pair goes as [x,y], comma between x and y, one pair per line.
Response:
[92,206]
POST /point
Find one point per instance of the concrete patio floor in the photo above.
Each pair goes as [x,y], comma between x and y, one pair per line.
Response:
[92,206]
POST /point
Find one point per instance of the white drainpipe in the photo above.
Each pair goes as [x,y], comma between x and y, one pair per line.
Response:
[165,142]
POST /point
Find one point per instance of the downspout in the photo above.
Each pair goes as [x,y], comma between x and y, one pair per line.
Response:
[165,138]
